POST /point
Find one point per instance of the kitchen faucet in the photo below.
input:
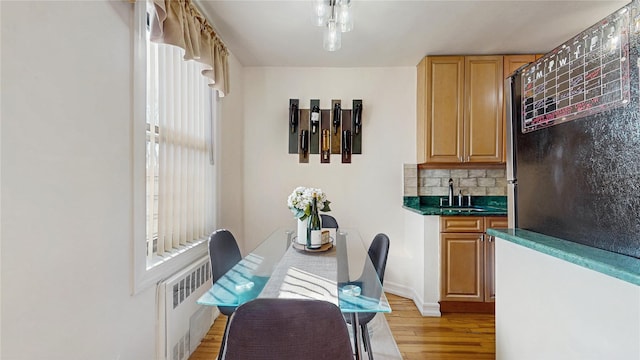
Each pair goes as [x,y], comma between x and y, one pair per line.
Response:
[450,192]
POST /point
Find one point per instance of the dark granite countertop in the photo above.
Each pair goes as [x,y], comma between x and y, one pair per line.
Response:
[619,266]
[430,205]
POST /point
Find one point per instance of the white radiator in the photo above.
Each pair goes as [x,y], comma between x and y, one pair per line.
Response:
[183,323]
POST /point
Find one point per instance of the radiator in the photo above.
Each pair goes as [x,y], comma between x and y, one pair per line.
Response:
[181,322]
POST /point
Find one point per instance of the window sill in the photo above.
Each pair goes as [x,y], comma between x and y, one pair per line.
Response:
[174,254]
[162,267]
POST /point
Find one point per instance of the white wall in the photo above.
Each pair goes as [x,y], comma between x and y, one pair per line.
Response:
[552,309]
[231,154]
[66,184]
[0,187]
[366,194]
[421,281]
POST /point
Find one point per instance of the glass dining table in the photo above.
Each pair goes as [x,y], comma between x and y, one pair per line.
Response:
[343,275]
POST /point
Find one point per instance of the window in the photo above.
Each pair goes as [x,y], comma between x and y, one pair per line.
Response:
[179,177]
[179,172]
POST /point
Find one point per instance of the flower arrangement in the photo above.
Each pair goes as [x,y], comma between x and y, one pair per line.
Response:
[300,201]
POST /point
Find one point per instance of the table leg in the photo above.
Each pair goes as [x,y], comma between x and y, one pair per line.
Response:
[356,334]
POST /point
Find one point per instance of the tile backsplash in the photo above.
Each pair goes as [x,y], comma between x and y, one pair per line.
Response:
[435,182]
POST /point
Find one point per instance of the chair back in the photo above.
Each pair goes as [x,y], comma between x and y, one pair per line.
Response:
[378,253]
[328,221]
[266,329]
[223,254]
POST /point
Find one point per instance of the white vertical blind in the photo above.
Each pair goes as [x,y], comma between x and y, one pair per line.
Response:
[179,175]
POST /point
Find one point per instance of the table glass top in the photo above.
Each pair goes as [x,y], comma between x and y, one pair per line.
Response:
[343,275]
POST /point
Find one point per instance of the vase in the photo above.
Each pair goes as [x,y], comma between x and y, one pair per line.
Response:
[302,232]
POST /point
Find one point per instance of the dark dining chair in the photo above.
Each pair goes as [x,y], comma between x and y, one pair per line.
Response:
[223,255]
[287,329]
[378,253]
[328,221]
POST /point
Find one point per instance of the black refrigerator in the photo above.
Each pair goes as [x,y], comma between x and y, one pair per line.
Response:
[573,124]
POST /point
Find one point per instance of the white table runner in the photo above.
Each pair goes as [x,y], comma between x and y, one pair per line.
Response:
[304,275]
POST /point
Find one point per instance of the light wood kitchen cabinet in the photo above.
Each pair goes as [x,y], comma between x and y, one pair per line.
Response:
[483,118]
[440,109]
[460,110]
[489,255]
[468,265]
[462,262]
[514,62]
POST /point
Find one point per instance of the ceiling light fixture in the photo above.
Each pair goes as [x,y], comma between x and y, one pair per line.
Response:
[336,17]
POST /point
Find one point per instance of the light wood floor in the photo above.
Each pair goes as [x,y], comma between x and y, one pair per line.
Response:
[450,337]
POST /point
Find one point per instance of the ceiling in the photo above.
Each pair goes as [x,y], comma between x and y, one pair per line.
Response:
[398,32]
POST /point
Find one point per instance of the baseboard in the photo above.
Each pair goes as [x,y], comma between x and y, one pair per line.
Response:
[468,307]
[430,309]
[426,309]
[214,314]
[400,290]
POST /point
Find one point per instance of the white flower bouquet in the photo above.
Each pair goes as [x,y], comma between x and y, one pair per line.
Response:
[299,201]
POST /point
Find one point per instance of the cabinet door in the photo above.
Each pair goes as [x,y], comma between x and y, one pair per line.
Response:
[462,267]
[489,269]
[511,64]
[444,112]
[459,224]
[483,120]
[495,222]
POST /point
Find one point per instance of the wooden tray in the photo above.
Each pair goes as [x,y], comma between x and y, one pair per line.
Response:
[300,247]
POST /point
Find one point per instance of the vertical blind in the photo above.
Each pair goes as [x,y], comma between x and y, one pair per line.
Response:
[180,175]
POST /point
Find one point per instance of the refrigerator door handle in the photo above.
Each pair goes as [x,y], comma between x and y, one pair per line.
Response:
[511,173]
[508,86]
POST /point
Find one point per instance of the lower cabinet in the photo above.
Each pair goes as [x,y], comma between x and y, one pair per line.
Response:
[468,258]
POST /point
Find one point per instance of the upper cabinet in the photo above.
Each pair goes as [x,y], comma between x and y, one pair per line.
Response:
[483,120]
[460,110]
[514,62]
[440,111]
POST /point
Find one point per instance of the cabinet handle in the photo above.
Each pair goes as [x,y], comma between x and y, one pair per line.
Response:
[490,238]
[481,238]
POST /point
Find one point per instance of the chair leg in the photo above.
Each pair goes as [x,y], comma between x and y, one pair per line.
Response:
[364,337]
[356,340]
[224,339]
[366,340]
